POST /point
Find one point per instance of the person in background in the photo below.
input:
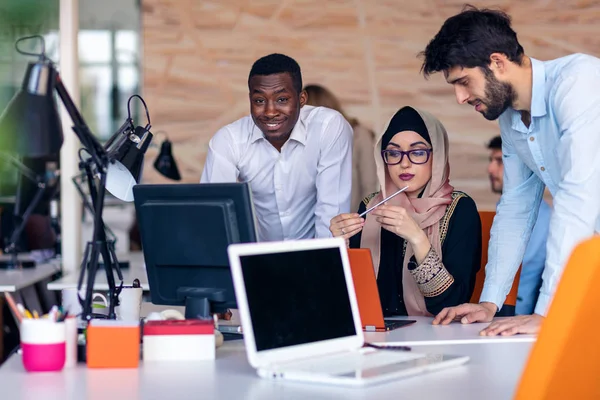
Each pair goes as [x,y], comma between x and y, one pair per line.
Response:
[535,252]
[549,116]
[426,241]
[364,176]
[296,158]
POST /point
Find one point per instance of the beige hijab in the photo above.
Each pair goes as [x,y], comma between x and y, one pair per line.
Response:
[426,210]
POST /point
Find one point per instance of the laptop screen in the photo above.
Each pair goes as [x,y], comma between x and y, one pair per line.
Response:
[297,297]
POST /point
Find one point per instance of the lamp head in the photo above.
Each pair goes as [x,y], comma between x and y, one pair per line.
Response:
[126,161]
[30,124]
[165,162]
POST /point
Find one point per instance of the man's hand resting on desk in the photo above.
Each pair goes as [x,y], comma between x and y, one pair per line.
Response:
[514,325]
[484,312]
[466,313]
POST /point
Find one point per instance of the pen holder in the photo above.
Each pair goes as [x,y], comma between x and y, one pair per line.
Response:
[43,345]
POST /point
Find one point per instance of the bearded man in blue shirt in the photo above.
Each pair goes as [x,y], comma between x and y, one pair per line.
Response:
[549,116]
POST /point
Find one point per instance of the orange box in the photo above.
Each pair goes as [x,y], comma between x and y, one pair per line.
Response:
[113,344]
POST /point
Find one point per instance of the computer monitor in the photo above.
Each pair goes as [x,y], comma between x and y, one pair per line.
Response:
[185,230]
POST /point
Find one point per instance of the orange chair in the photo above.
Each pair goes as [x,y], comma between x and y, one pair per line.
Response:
[565,360]
[487,217]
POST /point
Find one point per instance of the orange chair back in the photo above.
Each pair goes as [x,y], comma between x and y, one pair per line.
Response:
[565,360]
[487,217]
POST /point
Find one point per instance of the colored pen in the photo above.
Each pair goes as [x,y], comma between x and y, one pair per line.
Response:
[53,313]
[382,201]
[24,312]
[63,317]
[13,306]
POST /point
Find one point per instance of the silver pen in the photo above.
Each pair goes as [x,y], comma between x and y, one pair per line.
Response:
[382,201]
[231,329]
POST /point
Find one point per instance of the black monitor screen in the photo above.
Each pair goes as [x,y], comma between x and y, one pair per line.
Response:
[185,230]
[297,297]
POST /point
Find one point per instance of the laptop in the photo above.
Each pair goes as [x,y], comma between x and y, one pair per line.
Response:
[367,294]
[301,321]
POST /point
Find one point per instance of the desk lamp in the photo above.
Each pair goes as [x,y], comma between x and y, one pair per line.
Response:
[21,135]
[124,173]
[31,125]
[165,162]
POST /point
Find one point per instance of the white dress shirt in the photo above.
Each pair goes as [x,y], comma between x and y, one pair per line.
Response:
[561,150]
[295,192]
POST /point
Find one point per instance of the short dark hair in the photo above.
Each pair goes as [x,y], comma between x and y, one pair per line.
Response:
[276,64]
[469,38]
[495,143]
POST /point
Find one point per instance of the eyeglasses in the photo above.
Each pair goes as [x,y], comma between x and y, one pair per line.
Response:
[417,156]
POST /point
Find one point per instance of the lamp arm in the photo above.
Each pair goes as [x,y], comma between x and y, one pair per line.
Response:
[87,139]
[99,247]
[23,169]
[87,203]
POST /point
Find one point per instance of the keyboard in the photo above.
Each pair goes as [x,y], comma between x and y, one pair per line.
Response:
[340,364]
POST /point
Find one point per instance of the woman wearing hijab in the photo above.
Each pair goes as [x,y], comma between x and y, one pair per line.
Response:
[426,241]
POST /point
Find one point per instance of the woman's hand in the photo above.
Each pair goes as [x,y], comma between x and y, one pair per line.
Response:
[346,225]
[398,221]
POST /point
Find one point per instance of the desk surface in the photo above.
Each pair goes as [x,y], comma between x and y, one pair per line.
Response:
[422,332]
[492,373]
[137,269]
[12,280]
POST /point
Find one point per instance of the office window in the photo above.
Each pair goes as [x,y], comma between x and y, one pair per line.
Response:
[109,75]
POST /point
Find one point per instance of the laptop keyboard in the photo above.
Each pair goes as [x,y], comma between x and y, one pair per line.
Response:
[352,361]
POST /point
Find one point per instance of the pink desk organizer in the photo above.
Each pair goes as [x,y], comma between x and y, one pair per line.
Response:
[43,345]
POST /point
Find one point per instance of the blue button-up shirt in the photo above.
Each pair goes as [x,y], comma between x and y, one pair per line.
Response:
[534,261]
[559,149]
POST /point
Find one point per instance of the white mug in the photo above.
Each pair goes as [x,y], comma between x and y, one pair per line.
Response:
[99,307]
[70,302]
[130,304]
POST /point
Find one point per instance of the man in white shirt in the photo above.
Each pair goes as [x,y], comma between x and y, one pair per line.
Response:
[296,158]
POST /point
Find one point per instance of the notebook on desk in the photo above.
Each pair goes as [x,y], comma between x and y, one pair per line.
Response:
[301,321]
[367,294]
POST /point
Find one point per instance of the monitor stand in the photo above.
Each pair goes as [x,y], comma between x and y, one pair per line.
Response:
[199,302]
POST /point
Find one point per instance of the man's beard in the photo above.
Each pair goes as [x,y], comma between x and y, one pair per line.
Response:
[496,188]
[499,96]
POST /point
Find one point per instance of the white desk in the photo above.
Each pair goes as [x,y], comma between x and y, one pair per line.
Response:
[137,269]
[423,333]
[13,280]
[492,374]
